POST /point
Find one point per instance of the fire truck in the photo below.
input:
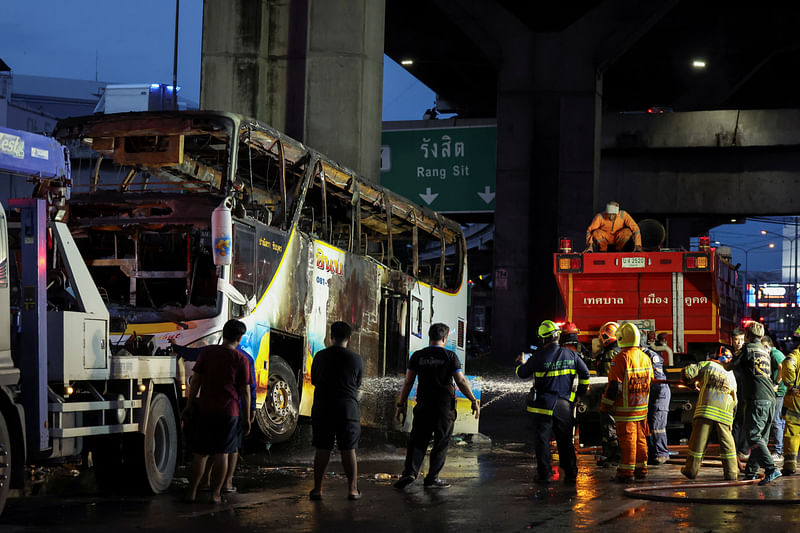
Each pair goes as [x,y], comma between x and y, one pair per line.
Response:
[693,296]
[66,386]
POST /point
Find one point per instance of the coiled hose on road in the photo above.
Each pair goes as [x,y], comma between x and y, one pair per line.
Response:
[645,493]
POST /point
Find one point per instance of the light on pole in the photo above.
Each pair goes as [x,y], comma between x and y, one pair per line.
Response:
[746,256]
[792,251]
[792,257]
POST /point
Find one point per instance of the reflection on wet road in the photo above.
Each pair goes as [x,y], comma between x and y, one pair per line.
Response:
[492,490]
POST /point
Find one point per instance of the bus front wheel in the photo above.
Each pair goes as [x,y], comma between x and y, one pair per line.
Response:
[277,418]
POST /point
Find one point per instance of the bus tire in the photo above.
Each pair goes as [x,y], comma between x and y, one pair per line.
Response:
[5,462]
[153,456]
[277,418]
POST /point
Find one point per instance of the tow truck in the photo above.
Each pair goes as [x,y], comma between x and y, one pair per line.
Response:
[65,387]
[693,296]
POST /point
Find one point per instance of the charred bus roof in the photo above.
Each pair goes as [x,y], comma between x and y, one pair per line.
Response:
[154,142]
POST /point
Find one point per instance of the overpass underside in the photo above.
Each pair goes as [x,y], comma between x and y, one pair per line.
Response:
[702,164]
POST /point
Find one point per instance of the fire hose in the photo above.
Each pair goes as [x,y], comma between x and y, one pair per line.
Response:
[644,493]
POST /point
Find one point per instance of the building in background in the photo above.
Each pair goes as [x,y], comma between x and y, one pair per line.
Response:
[37,103]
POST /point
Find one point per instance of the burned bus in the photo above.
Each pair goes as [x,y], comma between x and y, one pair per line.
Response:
[312,242]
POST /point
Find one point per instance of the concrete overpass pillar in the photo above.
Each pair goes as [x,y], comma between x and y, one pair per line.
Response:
[311,68]
[548,135]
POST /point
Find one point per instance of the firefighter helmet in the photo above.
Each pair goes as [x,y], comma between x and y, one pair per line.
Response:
[569,333]
[608,333]
[547,329]
[723,355]
[628,335]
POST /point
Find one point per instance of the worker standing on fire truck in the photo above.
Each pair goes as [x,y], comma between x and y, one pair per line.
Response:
[550,402]
[627,394]
[658,409]
[608,427]
[612,227]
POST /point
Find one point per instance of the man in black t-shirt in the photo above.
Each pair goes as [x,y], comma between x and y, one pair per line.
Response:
[435,368]
[336,374]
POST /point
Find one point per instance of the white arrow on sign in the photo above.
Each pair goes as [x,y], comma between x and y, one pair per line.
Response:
[428,196]
[487,196]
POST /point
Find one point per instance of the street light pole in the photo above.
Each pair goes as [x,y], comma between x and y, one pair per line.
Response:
[793,249]
[746,257]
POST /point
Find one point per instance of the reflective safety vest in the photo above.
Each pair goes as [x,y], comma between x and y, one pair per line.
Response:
[717,398]
[790,378]
[554,369]
[628,388]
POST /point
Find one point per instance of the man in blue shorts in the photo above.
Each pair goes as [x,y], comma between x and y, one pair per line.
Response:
[336,374]
[223,374]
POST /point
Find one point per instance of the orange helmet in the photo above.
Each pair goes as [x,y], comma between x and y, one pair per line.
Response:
[608,333]
[569,333]
[723,355]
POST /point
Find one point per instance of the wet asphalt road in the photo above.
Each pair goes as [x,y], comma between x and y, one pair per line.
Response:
[492,491]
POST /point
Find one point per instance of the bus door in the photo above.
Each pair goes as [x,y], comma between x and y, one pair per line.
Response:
[419,318]
[394,333]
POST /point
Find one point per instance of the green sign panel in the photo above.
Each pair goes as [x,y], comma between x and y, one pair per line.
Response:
[447,169]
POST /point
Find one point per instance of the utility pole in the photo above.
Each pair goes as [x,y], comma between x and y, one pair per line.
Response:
[175,59]
[796,244]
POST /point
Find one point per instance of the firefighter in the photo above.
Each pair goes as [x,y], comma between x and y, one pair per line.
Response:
[658,410]
[554,369]
[627,394]
[569,339]
[613,227]
[715,406]
[759,396]
[790,376]
[608,427]
[610,348]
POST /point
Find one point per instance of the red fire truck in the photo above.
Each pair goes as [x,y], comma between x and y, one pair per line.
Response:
[692,296]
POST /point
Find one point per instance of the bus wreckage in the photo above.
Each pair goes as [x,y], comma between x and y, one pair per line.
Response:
[308,242]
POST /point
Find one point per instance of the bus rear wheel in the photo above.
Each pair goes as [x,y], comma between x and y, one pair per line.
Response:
[277,418]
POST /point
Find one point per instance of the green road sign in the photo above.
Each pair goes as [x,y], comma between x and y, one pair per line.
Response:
[447,169]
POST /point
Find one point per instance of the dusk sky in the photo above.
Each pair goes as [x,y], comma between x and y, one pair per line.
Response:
[132,42]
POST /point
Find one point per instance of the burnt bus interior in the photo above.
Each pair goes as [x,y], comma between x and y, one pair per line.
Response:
[141,212]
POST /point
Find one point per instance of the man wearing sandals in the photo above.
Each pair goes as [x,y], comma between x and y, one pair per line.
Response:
[336,374]
[223,374]
[436,368]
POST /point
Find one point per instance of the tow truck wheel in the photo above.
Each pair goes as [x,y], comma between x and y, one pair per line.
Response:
[277,418]
[5,462]
[155,453]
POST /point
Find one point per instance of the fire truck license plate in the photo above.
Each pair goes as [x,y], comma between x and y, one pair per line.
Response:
[633,262]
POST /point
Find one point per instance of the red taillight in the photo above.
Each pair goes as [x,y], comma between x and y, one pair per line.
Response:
[696,261]
[569,263]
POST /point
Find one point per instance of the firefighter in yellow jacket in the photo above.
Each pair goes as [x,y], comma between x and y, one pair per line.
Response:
[612,228]
[790,375]
[627,394]
[715,406]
